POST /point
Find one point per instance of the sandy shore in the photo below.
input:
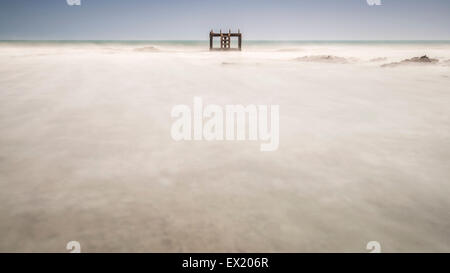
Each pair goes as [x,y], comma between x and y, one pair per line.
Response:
[86,152]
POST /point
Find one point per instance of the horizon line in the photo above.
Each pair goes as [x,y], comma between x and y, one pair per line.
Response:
[202,40]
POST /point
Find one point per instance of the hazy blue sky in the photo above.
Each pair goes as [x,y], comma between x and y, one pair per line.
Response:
[257,19]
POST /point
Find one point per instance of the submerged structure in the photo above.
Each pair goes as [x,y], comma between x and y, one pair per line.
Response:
[225,40]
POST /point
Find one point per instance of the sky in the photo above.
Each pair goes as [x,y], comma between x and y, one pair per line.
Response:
[193,19]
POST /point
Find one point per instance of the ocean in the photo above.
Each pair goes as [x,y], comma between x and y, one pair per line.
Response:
[86,152]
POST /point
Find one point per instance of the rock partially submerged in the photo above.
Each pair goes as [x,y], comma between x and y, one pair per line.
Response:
[147,49]
[323,59]
[380,59]
[416,60]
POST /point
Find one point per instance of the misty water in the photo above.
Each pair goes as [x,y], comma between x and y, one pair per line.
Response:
[86,152]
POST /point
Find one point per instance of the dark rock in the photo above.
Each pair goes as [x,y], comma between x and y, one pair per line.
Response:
[416,60]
